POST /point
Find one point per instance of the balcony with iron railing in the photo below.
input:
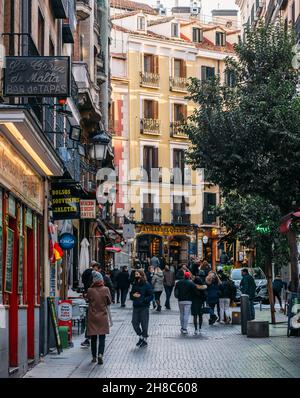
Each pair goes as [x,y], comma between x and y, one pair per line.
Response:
[150,126]
[176,130]
[69,24]
[151,215]
[181,217]
[149,79]
[179,84]
[83,9]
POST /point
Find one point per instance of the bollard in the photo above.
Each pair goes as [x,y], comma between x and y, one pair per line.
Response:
[245,312]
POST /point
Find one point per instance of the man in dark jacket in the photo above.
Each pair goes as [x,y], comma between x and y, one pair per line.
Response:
[123,284]
[248,286]
[184,293]
[114,276]
[141,294]
[278,285]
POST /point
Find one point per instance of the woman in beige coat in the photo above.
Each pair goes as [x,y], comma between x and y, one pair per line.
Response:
[99,299]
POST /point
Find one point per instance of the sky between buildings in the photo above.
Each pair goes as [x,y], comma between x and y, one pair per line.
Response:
[207,5]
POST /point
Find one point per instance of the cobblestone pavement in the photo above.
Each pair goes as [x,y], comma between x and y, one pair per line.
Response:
[219,352]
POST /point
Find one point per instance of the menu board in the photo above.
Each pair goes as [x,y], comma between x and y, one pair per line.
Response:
[9,261]
[21,265]
[54,322]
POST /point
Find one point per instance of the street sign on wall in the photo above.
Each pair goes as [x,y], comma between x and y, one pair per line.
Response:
[37,77]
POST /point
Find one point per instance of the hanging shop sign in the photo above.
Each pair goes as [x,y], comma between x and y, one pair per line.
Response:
[9,261]
[67,241]
[37,77]
[129,231]
[88,209]
[205,239]
[65,201]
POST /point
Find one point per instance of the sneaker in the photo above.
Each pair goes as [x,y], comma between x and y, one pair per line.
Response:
[139,342]
[184,331]
[195,332]
[100,359]
[86,343]
[213,319]
[143,344]
[94,360]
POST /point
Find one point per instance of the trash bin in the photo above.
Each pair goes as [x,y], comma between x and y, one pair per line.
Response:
[63,334]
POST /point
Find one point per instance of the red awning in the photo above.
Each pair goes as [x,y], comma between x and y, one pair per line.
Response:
[113,249]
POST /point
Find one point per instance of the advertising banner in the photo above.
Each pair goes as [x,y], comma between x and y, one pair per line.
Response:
[65,200]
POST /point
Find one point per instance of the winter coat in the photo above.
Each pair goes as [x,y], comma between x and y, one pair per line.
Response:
[149,276]
[184,290]
[213,293]
[87,279]
[158,282]
[146,292]
[169,278]
[99,299]
[227,289]
[108,283]
[114,277]
[278,285]
[198,299]
[248,286]
[123,280]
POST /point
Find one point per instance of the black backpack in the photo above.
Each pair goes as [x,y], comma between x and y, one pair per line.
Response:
[232,289]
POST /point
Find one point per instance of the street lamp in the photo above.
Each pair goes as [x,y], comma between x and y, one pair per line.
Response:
[131,214]
[99,146]
[75,133]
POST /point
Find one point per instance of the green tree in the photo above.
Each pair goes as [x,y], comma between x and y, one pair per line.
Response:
[247,137]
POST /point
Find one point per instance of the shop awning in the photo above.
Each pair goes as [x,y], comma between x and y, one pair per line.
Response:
[113,249]
[286,221]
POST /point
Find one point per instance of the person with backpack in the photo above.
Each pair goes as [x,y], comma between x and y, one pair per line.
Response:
[198,300]
[213,290]
[227,294]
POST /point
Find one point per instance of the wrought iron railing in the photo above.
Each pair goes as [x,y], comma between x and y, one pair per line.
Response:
[176,129]
[180,217]
[178,83]
[150,126]
[150,79]
[150,215]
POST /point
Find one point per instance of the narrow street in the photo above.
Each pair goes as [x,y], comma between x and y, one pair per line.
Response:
[219,352]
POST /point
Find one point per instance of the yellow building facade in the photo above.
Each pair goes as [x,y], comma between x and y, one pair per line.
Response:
[152,58]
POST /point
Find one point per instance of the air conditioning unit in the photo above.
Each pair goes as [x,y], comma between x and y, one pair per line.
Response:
[194,10]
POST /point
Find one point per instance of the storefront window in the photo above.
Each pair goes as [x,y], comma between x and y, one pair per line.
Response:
[29,218]
[12,206]
[1,243]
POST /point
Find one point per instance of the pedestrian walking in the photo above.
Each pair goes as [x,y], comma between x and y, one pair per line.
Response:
[278,285]
[198,300]
[213,293]
[99,299]
[227,294]
[149,276]
[248,286]
[114,278]
[155,262]
[123,283]
[169,283]
[184,293]
[87,280]
[158,286]
[141,295]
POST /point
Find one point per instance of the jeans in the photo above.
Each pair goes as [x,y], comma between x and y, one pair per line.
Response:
[168,290]
[124,293]
[196,320]
[278,295]
[185,310]
[117,292]
[224,308]
[157,298]
[101,345]
[140,321]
